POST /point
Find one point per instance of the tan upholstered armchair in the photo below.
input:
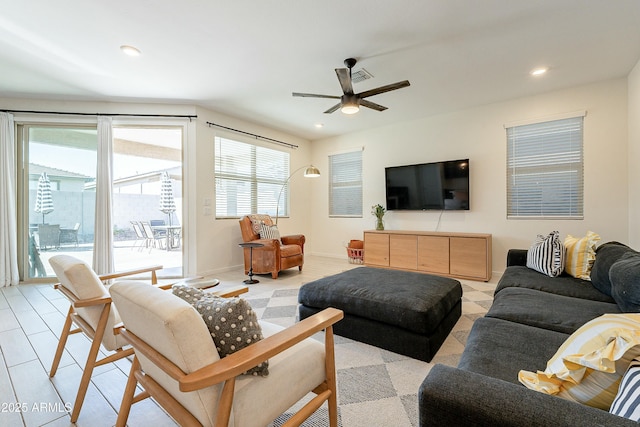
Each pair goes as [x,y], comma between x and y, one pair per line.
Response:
[277,254]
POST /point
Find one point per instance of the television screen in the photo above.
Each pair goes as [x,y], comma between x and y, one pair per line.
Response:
[428,186]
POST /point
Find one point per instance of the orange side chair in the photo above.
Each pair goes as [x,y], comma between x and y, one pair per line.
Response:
[277,254]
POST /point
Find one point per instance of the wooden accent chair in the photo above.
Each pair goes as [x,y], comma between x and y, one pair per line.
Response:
[92,313]
[276,255]
[177,364]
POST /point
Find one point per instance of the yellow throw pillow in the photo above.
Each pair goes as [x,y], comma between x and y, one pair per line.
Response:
[580,255]
[588,366]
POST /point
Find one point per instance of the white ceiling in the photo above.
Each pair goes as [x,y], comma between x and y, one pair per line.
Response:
[244,58]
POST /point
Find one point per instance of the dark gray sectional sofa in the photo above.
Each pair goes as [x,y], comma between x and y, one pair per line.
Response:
[531,316]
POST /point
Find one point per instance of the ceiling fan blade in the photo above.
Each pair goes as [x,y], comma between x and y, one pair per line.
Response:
[383,89]
[313,95]
[372,105]
[334,108]
[344,76]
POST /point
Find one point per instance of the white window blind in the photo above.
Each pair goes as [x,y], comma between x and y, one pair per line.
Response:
[248,179]
[345,184]
[545,169]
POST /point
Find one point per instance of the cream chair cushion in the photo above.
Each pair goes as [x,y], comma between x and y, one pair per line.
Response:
[174,328]
[79,278]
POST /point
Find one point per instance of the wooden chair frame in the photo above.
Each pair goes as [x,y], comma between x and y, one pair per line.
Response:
[95,335]
[227,369]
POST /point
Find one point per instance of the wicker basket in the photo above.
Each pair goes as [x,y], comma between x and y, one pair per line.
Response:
[355,251]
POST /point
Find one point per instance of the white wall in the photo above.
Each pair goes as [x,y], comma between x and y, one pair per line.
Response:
[478,134]
[634,156]
[216,241]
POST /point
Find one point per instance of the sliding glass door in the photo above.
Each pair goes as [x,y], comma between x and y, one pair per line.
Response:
[58,195]
[147,198]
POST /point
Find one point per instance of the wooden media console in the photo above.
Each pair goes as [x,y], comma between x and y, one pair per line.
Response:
[461,255]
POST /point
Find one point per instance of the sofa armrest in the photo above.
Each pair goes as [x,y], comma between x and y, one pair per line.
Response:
[517,257]
[453,397]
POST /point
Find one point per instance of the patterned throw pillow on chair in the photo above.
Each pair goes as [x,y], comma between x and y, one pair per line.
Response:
[546,255]
[187,293]
[269,232]
[232,323]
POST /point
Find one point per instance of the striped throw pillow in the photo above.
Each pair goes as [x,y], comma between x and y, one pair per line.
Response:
[269,232]
[588,366]
[581,253]
[546,255]
[627,401]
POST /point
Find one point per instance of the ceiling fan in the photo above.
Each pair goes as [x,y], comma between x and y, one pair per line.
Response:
[350,102]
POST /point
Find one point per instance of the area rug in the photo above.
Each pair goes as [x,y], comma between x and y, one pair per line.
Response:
[375,387]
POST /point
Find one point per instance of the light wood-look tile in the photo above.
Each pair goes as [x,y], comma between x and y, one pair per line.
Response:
[31,319]
[16,347]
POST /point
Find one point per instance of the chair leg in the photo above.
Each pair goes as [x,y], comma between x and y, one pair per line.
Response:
[61,343]
[330,366]
[127,398]
[91,363]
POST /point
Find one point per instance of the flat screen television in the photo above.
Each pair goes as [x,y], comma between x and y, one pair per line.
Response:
[428,186]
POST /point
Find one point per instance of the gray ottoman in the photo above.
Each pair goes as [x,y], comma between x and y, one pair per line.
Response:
[404,312]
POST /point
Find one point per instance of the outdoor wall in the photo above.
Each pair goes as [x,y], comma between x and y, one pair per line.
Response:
[479,134]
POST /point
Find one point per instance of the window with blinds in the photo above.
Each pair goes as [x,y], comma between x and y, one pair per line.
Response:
[345,184]
[248,179]
[545,170]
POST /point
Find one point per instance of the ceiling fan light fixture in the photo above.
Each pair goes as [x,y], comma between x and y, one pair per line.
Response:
[350,108]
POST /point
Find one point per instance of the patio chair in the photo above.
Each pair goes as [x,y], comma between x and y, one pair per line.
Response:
[140,236]
[177,363]
[48,236]
[70,235]
[92,313]
[153,241]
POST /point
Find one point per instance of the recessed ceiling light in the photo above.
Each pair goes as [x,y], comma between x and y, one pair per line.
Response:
[130,50]
[539,71]
[319,125]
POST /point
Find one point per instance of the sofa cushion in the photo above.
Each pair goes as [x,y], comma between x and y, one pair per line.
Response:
[523,277]
[606,255]
[546,255]
[580,254]
[588,366]
[625,282]
[545,310]
[627,401]
[500,349]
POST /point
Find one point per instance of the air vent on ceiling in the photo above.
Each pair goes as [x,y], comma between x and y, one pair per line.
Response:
[360,75]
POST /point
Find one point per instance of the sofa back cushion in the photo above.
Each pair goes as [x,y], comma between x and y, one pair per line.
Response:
[606,255]
[624,275]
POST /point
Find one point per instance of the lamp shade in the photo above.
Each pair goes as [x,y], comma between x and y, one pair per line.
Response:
[311,172]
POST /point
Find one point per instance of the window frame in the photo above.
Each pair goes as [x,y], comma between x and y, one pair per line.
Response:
[547,149]
[355,184]
[254,178]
